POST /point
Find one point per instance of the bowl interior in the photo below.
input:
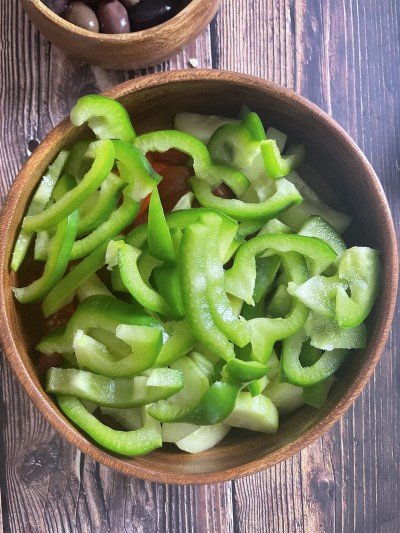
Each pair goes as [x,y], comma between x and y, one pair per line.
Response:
[337,171]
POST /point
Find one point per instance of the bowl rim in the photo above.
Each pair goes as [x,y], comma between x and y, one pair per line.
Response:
[46,405]
[132,37]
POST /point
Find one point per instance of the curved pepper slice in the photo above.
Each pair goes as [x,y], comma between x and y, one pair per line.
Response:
[284,196]
[58,256]
[306,376]
[240,279]
[137,391]
[236,329]
[145,343]
[107,118]
[277,165]
[104,204]
[182,218]
[117,222]
[103,153]
[181,340]
[203,165]
[159,236]
[129,443]
[134,168]
[98,311]
[193,271]
[266,331]
[64,292]
[133,281]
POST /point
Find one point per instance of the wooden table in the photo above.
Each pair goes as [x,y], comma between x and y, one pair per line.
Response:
[344,56]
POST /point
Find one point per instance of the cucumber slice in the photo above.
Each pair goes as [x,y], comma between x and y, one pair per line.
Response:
[201,126]
[316,226]
[203,438]
[175,431]
[256,413]
[285,396]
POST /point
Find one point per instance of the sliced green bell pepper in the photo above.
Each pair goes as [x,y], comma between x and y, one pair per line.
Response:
[306,376]
[137,391]
[128,443]
[145,343]
[203,165]
[285,195]
[119,219]
[64,292]
[58,255]
[99,311]
[133,281]
[104,205]
[39,201]
[134,168]
[107,118]
[159,236]
[103,154]
[193,272]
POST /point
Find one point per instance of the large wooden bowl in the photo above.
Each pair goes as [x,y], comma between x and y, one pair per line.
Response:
[340,173]
[124,51]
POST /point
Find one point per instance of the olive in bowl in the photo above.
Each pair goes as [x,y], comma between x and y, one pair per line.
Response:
[121,35]
[337,171]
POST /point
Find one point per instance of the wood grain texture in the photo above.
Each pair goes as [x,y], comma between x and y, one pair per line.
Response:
[344,56]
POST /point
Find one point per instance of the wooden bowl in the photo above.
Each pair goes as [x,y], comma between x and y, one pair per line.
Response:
[344,177]
[124,51]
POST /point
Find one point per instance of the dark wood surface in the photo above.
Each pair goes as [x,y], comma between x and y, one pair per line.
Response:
[345,57]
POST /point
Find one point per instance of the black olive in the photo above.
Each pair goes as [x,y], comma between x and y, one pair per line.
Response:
[81,15]
[149,13]
[57,6]
[113,17]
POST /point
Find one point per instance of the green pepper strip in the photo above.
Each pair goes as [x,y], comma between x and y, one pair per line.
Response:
[266,331]
[203,165]
[38,203]
[236,329]
[240,279]
[307,376]
[119,219]
[193,252]
[167,280]
[159,236]
[181,340]
[284,197]
[128,443]
[134,168]
[133,281]
[137,391]
[218,400]
[107,118]
[103,153]
[181,219]
[64,292]
[98,311]
[93,355]
[58,256]
[276,165]
[106,202]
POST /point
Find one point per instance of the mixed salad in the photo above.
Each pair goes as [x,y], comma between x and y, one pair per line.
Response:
[203,284]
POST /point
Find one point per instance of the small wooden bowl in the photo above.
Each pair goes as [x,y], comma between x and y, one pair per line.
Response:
[344,177]
[124,51]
